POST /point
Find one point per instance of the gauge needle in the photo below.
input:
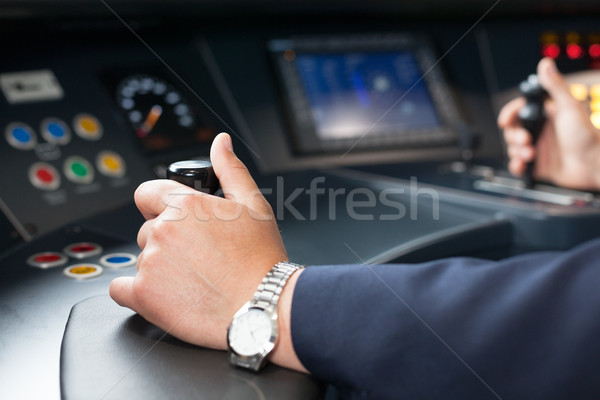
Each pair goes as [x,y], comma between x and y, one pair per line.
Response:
[151,120]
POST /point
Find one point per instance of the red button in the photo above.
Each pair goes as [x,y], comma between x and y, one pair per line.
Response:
[44,175]
[83,248]
[47,258]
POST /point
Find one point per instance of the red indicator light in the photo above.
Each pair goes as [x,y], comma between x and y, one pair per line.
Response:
[44,175]
[594,50]
[551,50]
[574,51]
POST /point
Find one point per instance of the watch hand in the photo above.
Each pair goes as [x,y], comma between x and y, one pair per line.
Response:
[251,329]
[151,120]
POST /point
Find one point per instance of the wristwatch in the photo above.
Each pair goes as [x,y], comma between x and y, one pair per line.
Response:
[253,330]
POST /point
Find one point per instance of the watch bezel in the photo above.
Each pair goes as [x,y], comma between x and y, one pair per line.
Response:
[258,360]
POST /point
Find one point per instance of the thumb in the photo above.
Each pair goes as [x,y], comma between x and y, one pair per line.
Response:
[555,83]
[235,180]
[121,291]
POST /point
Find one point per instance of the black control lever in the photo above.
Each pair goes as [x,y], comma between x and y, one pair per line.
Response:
[197,174]
[533,117]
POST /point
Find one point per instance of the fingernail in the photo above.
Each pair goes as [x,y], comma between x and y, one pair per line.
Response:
[552,67]
[228,143]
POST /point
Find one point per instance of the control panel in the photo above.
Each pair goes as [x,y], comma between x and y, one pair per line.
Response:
[65,162]
[83,126]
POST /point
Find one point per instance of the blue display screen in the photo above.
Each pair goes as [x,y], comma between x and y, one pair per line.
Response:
[354,94]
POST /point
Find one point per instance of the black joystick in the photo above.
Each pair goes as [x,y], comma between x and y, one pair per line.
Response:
[533,116]
[197,174]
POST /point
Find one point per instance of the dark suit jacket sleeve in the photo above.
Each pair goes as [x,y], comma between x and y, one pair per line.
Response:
[527,327]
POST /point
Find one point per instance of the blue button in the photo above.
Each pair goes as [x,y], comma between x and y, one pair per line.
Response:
[20,136]
[55,131]
[118,260]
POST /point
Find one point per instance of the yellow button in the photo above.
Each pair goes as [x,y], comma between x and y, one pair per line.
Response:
[595,105]
[83,271]
[579,91]
[595,117]
[87,127]
[110,164]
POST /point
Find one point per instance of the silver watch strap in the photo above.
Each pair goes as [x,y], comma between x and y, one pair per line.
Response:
[269,290]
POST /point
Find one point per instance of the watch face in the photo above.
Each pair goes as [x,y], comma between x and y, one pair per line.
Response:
[251,332]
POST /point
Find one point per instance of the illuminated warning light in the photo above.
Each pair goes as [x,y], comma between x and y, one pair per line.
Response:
[551,50]
[549,37]
[595,92]
[594,50]
[595,118]
[574,51]
[573,37]
[579,91]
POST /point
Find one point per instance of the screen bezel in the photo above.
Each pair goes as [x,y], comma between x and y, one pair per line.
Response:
[304,138]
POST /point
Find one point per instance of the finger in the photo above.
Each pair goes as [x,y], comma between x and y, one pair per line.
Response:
[121,291]
[517,136]
[153,197]
[516,167]
[513,151]
[235,180]
[142,237]
[555,84]
[526,153]
[509,115]
[523,153]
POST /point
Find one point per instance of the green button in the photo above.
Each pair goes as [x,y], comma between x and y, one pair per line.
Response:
[79,169]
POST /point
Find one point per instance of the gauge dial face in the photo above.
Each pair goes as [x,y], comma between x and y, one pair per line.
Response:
[159,114]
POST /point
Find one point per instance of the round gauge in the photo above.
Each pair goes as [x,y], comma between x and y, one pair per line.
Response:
[159,114]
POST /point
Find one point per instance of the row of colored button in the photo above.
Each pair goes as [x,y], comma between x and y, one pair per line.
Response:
[77,169]
[54,130]
[80,251]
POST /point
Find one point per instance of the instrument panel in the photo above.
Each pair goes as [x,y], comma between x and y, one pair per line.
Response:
[81,129]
